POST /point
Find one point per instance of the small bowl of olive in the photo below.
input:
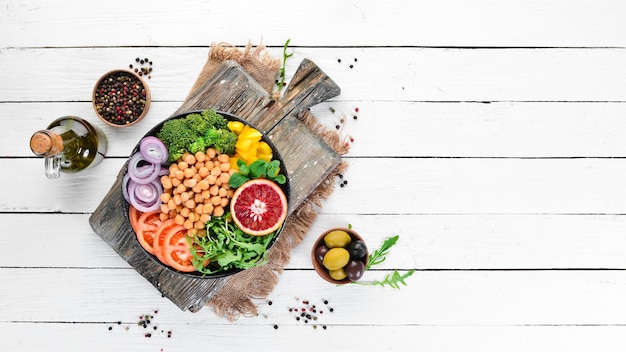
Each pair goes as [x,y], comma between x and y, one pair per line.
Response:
[340,255]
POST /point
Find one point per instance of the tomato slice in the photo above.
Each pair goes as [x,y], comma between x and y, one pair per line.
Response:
[147,225]
[176,250]
[159,237]
[133,215]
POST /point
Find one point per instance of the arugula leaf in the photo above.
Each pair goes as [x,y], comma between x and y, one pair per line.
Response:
[281,84]
[379,255]
[227,247]
[394,280]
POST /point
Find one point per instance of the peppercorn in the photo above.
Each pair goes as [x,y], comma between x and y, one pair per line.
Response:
[120,98]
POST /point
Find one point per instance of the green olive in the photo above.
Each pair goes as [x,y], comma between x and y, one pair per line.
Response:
[337,239]
[338,274]
[336,258]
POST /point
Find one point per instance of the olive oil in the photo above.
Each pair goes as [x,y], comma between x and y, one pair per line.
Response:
[69,144]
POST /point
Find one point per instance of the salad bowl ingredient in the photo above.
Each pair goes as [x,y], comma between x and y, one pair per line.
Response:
[195,189]
[140,185]
[259,207]
[249,146]
[197,132]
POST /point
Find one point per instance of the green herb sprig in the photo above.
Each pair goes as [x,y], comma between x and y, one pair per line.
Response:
[227,247]
[281,83]
[258,169]
[379,255]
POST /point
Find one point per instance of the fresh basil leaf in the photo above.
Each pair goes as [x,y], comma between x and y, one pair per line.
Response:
[236,180]
[243,167]
[258,169]
[273,168]
[280,179]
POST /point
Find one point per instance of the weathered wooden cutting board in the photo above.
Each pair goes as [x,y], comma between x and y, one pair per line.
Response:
[308,160]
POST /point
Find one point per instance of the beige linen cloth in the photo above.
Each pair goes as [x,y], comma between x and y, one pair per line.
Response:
[237,296]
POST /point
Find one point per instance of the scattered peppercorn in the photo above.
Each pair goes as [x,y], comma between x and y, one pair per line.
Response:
[275,326]
[339,60]
[355,117]
[351,66]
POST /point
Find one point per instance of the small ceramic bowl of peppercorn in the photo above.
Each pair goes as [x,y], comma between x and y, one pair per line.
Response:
[121,98]
[340,255]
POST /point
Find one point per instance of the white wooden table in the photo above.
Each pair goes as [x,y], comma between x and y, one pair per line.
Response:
[490,137]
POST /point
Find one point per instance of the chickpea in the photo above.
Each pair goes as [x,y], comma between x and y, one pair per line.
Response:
[200,157]
[224,158]
[189,159]
[218,211]
[166,181]
[203,171]
[207,208]
[190,204]
[179,219]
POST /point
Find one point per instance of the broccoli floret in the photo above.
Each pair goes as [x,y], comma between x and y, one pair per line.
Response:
[197,132]
[198,146]
[176,138]
[223,140]
[216,120]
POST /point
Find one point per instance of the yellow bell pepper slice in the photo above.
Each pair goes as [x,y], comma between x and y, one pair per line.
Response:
[235,126]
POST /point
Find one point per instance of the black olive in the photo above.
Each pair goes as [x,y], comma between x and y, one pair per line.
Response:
[357,250]
[320,252]
[355,270]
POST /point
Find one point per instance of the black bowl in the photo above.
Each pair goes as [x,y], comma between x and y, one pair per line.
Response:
[285,187]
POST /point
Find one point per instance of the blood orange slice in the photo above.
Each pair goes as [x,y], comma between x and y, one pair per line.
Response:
[259,207]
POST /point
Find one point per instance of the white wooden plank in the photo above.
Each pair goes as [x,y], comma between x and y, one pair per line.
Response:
[427,242]
[96,337]
[385,128]
[457,23]
[416,74]
[476,186]
[421,186]
[449,298]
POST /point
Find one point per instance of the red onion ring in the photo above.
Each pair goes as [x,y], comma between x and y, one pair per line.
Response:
[141,186]
[153,150]
[145,173]
[148,193]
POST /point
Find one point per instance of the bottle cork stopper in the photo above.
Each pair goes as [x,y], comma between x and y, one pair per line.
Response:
[43,143]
